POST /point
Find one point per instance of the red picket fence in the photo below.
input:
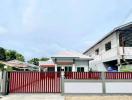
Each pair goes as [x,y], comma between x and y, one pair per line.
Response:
[34,82]
[118,75]
[82,75]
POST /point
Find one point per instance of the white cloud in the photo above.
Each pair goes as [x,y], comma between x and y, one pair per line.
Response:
[128,18]
[87,44]
[3,30]
[30,17]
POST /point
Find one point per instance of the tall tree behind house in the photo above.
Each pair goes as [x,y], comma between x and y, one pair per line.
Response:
[2,54]
[7,55]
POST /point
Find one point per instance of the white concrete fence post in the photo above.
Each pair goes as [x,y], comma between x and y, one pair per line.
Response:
[1,81]
[62,79]
[4,84]
[55,67]
[103,82]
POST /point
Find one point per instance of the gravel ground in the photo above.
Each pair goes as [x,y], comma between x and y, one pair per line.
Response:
[125,97]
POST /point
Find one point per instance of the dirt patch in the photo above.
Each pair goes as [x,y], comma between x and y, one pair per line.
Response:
[125,97]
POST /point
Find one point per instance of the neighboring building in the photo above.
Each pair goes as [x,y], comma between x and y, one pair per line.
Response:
[47,65]
[20,66]
[113,50]
[70,61]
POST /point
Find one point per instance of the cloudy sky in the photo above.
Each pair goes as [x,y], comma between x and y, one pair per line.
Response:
[39,28]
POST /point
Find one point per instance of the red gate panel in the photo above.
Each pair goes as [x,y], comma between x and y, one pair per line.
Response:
[34,82]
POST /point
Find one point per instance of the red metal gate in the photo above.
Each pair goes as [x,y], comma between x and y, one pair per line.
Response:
[34,82]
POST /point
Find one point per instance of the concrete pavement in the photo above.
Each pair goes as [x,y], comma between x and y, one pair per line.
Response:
[35,96]
[99,97]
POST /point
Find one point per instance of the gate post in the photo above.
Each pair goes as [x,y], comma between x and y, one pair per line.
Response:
[103,82]
[4,85]
[62,80]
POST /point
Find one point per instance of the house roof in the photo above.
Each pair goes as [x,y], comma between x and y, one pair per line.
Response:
[48,63]
[71,54]
[62,55]
[17,63]
[122,27]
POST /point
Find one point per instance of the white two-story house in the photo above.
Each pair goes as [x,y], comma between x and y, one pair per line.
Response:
[113,50]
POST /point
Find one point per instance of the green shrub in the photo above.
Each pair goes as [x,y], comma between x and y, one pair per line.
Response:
[9,68]
[2,66]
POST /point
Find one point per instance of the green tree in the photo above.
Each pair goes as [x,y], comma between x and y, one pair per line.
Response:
[7,55]
[2,54]
[34,61]
[43,59]
[20,57]
[12,54]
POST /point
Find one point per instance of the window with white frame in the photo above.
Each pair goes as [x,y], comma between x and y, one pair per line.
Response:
[80,69]
[68,69]
[58,68]
[51,69]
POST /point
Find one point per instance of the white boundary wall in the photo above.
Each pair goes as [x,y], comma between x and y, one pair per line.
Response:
[118,87]
[73,86]
[82,87]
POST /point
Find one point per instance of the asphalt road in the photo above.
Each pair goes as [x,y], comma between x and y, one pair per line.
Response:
[33,97]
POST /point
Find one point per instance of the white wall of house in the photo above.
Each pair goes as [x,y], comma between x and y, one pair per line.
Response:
[82,63]
[65,60]
[104,56]
[78,63]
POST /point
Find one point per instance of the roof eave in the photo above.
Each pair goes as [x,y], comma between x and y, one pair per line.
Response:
[64,57]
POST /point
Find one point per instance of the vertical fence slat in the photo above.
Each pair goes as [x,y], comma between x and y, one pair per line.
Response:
[13,83]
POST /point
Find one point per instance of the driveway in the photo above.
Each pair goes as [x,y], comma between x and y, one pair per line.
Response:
[99,97]
[33,97]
